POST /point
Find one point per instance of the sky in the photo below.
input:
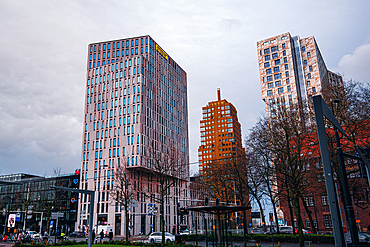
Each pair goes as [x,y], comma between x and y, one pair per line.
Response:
[43,53]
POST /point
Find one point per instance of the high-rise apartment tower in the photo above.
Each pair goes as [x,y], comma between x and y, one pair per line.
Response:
[292,70]
[135,100]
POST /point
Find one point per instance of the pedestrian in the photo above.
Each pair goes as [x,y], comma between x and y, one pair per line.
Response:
[110,235]
[101,236]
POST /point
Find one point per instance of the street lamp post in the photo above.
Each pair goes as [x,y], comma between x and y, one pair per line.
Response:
[347,196]
[92,198]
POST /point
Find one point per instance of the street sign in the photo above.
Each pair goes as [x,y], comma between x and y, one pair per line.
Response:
[29,217]
[134,205]
[55,216]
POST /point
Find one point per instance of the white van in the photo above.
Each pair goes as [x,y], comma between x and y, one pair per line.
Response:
[106,229]
[286,229]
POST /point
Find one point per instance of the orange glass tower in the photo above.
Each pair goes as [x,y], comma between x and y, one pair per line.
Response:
[220,133]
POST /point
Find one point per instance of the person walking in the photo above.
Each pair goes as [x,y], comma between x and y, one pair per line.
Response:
[110,235]
[101,236]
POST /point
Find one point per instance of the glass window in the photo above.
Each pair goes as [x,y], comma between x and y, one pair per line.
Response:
[268,71]
[305,62]
[314,89]
[309,75]
[270,85]
[310,67]
[285,60]
[308,83]
[283,46]
[266,51]
[280,90]
[288,88]
[303,48]
[277,62]
[277,83]
[269,78]
[269,92]
[287,81]
[284,53]
[267,65]
[274,56]
[274,48]
[308,54]
[277,76]
[286,73]
[267,58]
[276,69]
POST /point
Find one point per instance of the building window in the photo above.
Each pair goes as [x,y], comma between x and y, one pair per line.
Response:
[286,67]
[308,83]
[280,90]
[308,224]
[277,61]
[274,56]
[305,62]
[277,83]
[266,51]
[324,200]
[308,54]
[277,76]
[267,65]
[267,58]
[288,88]
[309,75]
[303,48]
[285,60]
[284,53]
[327,221]
[283,46]
[314,89]
[274,48]
[310,67]
[270,85]
[269,78]
[269,92]
[268,71]
[276,69]
[287,81]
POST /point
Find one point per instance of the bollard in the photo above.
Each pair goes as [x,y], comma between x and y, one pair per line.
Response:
[309,244]
[32,243]
[193,244]
[132,242]
[279,243]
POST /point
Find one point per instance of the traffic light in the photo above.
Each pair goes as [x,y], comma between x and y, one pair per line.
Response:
[183,211]
[271,216]
[206,200]
[217,201]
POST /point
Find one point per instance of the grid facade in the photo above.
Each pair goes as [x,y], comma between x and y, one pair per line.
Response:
[135,99]
[292,70]
[220,134]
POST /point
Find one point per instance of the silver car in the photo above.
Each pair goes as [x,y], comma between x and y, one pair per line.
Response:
[156,237]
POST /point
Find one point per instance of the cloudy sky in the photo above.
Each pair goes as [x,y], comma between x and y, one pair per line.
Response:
[43,51]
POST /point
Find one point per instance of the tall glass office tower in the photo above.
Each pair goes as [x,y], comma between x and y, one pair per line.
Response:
[135,99]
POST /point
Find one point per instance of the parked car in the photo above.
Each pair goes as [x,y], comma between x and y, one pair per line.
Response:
[185,232]
[77,234]
[257,231]
[362,237]
[307,231]
[286,229]
[156,237]
[33,234]
[198,232]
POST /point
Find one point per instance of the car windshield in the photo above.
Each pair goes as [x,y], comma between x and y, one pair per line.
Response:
[168,234]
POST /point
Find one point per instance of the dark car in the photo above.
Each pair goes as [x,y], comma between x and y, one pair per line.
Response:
[77,234]
[362,237]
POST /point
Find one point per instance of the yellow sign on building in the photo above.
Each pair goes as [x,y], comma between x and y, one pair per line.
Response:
[161,51]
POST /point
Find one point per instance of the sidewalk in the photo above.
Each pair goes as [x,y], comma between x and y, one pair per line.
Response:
[203,243]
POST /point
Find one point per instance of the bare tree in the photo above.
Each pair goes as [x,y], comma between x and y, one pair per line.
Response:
[166,168]
[122,193]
